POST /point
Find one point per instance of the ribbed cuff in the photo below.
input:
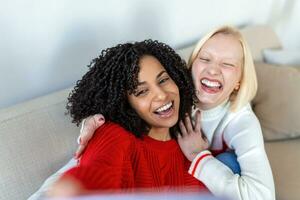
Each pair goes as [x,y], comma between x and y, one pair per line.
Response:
[198,161]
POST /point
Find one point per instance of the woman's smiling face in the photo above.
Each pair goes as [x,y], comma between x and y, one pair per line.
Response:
[217,69]
[156,99]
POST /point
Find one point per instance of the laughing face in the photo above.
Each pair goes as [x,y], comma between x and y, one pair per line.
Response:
[216,70]
[156,99]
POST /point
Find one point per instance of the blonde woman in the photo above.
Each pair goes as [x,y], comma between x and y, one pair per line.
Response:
[225,82]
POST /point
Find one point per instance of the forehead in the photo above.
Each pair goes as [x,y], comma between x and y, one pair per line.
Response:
[150,67]
[223,45]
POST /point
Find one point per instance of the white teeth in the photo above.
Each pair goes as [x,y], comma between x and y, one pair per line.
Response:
[210,83]
[165,107]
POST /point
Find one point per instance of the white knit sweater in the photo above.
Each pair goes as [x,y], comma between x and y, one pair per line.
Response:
[241,132]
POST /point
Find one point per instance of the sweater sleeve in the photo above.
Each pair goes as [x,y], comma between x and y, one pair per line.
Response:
[105,163]
[243,134]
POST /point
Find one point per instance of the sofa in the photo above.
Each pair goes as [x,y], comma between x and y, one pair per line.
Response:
[38,138]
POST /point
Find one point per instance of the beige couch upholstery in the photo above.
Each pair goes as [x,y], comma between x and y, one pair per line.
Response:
[37,138]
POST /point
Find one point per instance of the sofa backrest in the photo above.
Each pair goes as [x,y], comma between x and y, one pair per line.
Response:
[32,134]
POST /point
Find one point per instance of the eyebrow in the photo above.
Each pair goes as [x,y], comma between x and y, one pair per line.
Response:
[158,75]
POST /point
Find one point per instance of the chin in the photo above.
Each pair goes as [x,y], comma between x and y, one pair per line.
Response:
[169,123]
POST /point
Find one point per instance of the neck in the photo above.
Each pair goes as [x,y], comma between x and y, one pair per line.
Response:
[215,112]
[205,107]
[161,134]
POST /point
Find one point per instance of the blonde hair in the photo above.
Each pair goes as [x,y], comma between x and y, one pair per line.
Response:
[248,82]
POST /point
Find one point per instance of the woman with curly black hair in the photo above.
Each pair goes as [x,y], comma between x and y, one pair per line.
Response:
[142,89]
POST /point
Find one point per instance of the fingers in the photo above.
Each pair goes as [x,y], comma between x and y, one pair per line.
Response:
[179,136]
[206,144]
[188,124]
[98,120]
[79,151]
[198,124]
[89,126]
[82,127]
[182,129]
[86,135]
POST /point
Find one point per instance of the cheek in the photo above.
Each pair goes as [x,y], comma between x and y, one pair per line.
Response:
[232,77]
[174,87]
[171,87]
[236,75]
[141,106]
[197,68]
[137,104]
[143,109]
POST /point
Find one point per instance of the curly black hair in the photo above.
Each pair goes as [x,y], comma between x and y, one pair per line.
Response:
[114,74]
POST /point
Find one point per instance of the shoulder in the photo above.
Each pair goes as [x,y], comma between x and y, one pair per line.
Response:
[113,130]
[243,117]
[243,124]
[110,139]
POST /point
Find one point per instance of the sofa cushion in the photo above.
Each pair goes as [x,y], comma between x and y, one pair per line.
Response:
[259,38]
[282,57]
[36,139]
[277,103]
[285,163]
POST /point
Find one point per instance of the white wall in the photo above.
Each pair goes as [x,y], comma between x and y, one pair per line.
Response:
[45,45]
[285,19]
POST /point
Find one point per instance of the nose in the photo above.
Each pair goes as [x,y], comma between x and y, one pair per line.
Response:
[160,94]
[214,69]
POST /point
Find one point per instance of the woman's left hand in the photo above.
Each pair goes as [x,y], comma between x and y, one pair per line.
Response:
[191,141]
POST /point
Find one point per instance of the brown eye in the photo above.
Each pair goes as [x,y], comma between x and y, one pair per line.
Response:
[164,80]
[140,92]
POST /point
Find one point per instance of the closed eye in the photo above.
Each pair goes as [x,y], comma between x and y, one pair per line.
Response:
[204,59]
[228,64]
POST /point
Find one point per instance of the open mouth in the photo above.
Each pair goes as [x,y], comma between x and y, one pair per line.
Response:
[211,86]
[166,110]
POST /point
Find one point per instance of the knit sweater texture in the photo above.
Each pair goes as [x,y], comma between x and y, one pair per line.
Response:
[240,132]
[117,160]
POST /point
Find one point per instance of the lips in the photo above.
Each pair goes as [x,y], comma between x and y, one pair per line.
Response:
[211,85]
[166,110]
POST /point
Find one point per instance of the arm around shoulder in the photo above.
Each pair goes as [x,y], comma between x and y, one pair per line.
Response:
[242,134]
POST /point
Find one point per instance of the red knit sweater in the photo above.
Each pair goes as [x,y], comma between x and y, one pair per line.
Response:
[116,159]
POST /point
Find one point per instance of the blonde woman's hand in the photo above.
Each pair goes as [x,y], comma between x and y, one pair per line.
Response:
[88,127]
[191,141]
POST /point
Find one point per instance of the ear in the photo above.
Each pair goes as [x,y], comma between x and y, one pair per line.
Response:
[237,87]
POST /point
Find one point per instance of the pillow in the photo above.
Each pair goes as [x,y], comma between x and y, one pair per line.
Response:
[277,103]
[260,37]
[186,52]
[282,57]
